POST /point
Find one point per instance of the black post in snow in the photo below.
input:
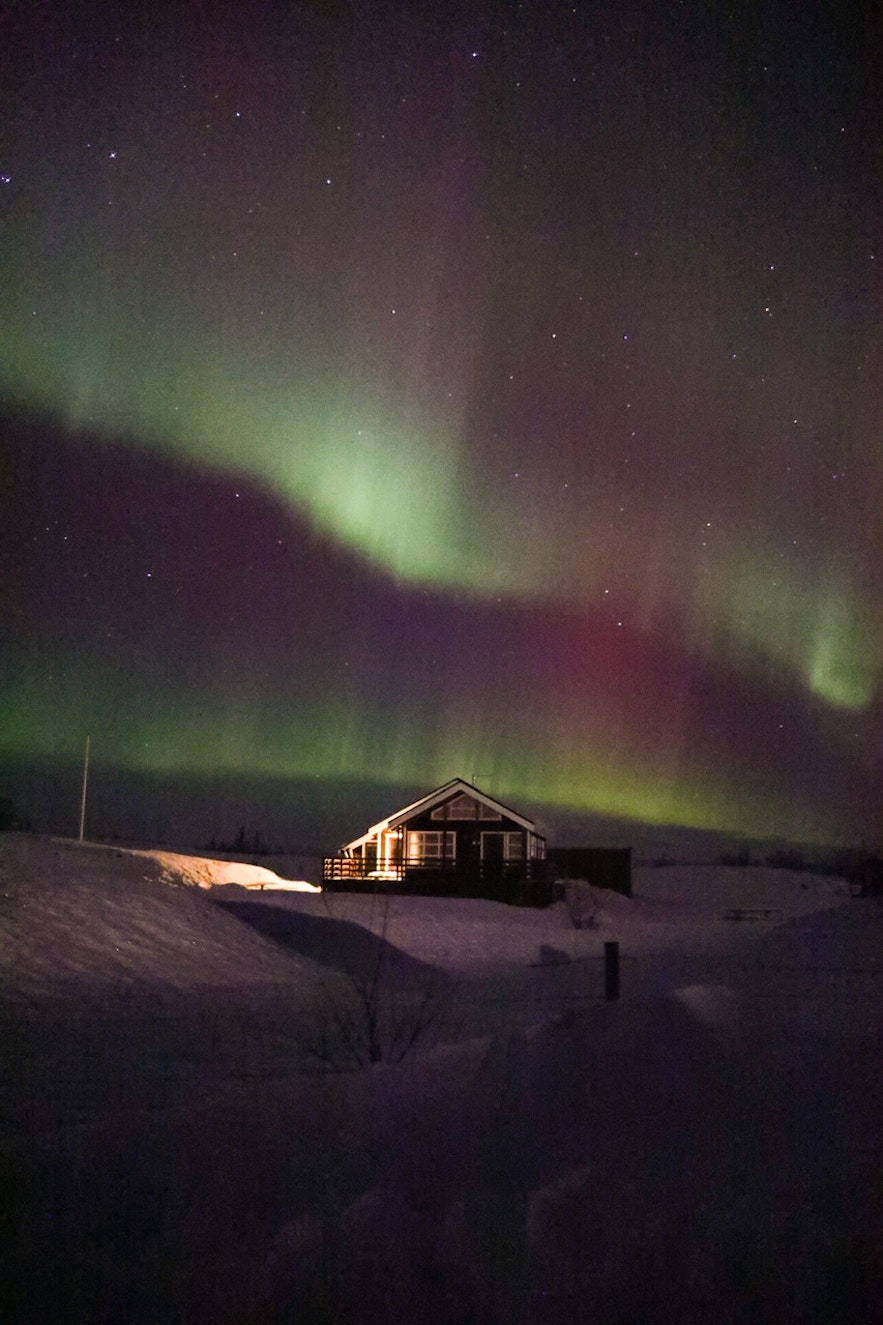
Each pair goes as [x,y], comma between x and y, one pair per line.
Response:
[611,970]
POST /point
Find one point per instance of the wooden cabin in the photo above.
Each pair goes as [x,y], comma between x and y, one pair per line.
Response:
[455,841]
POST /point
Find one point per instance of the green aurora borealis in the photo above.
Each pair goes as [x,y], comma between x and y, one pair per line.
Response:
[421,396]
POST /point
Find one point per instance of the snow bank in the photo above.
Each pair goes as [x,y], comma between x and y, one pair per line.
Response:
[77,917]
[204,872]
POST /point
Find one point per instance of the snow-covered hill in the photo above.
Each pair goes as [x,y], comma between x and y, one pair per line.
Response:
[75,916]
[705,1148]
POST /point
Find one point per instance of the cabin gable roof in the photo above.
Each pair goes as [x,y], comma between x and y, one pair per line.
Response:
[449,791]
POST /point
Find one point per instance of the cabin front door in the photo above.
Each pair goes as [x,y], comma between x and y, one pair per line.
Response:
[493,848]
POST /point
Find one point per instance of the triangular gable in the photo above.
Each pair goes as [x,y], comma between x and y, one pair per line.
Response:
[450,789]
[463,805]
[376,829]
[447,792]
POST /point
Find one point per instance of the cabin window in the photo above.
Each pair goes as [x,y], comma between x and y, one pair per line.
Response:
[465,807]
[514,849]
[502,846]
[431,847]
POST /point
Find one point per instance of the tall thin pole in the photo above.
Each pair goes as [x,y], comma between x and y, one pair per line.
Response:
[85,784]
[611,970]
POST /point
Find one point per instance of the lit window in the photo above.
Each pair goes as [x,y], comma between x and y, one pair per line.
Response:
[431,847]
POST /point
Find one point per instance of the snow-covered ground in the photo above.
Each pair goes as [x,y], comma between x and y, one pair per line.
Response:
[208,873]
[187,1136]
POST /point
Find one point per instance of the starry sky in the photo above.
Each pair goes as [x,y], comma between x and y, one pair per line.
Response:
[403,391]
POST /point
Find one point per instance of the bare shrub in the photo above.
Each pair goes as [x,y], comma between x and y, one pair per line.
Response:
[375,1016]
[581,903]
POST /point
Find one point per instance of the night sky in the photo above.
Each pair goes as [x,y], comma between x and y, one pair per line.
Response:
[402,391]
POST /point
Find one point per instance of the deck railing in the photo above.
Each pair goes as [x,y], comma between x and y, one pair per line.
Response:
[354,867]
[523,880]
